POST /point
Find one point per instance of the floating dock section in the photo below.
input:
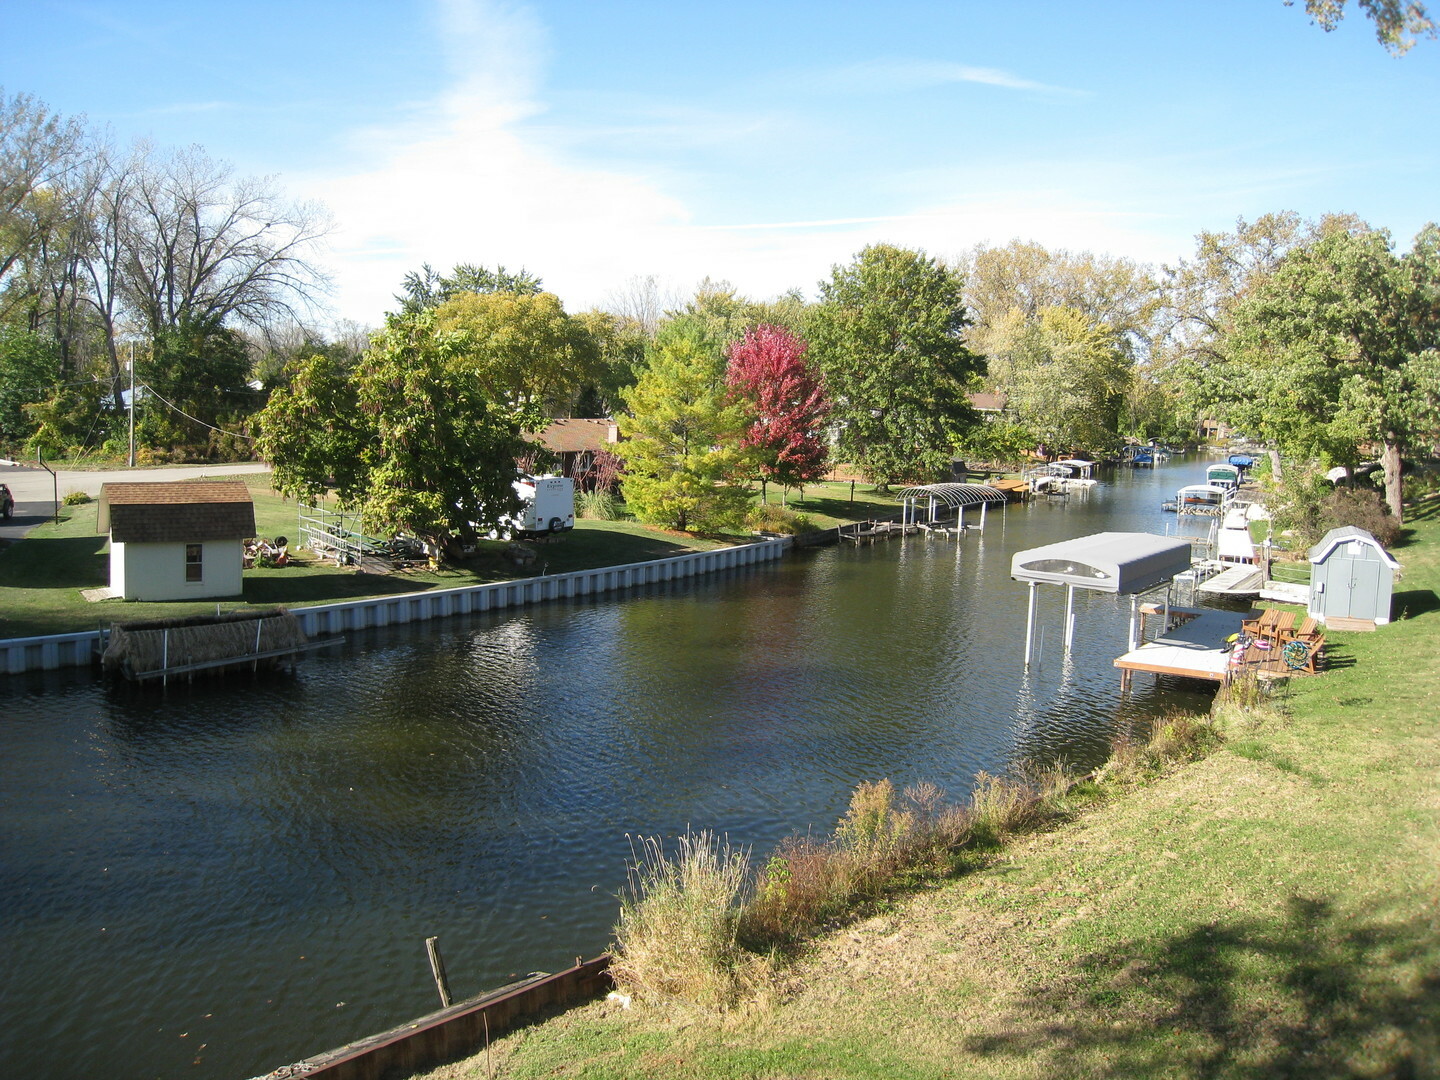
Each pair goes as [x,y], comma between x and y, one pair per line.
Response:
[1196,648]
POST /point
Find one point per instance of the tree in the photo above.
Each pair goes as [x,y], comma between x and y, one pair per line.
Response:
[642,303]
[620,343]
[1393,19]
[1067,375]
[312,432]
[199,245]
[196,383]
[28,374]
[889,338]
[426,288]
[413,438]
[39,153]
[524,347]
[683,433]
[441,460]
[1115,293]
[1340,347]
[787,402]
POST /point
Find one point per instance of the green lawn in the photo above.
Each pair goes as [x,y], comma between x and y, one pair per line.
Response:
[1270,910]
[41,577]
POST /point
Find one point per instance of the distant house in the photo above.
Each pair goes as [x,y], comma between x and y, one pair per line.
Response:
[1214,430]
[176,541]
[576,442]
[990,406]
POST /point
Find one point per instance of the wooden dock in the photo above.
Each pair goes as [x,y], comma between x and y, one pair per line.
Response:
[1241,580]
[1195,648]
[1015,490]
[868,532]
[1198,647]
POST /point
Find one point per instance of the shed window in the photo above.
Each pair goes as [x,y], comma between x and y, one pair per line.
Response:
[194,562]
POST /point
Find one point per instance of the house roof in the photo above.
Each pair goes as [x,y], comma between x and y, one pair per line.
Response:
[573,436]
[181,511]
[1343,535]
[984,401]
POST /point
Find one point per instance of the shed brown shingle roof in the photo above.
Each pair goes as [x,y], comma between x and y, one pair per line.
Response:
[183,511]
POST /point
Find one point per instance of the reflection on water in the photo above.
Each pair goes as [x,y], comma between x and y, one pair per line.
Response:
[224,877]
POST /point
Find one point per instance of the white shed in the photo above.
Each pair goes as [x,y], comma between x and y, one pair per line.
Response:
[183,540]
[1351,578]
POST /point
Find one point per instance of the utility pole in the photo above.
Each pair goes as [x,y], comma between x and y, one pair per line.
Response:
[132,404]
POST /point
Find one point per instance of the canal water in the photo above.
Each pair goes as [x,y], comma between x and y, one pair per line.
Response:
[218,879]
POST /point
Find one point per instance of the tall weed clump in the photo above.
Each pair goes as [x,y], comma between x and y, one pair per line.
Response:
[598,504]
[772,518]
[1168,740]
[880,843]
[1243,705]
[679,917]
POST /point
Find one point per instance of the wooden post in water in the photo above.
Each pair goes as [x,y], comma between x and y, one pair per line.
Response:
[437,968]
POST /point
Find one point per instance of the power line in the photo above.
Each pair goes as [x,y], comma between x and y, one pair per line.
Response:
[182,412]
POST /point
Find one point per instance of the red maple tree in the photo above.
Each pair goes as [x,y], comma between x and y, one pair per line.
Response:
[768,370]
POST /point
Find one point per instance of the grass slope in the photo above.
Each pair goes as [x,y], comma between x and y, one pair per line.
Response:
[1268,911]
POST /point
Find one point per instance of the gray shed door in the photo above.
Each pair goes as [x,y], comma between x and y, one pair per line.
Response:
[1357,591]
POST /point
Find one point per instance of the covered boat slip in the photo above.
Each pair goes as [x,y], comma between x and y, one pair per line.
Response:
[927,505]
[1127,564]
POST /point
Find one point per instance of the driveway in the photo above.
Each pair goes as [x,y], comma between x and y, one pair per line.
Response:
[35,492]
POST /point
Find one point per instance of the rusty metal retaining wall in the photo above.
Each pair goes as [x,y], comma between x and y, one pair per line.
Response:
[19,655]
[456,1032]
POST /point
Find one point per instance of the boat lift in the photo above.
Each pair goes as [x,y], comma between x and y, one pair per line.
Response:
[949,496]
[1127,564]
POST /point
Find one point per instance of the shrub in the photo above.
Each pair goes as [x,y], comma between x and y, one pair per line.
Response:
[1310,506]
[1363,508]
[1001,806]
[75,498]
[676,939]
[596,505]
[769,517]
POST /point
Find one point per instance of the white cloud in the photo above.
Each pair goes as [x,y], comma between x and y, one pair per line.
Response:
[893,75]
[479,176]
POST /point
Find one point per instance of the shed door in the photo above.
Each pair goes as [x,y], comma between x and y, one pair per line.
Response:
[1358,590]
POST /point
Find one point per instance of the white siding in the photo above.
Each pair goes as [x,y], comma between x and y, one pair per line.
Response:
[157,571]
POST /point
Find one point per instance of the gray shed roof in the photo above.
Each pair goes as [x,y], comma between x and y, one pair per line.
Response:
[1344,535]
[1105,562]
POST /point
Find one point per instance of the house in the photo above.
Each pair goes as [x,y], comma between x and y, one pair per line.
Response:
[176,541]
[990,406]
[576,443]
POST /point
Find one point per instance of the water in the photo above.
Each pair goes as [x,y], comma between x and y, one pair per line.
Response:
[222,878]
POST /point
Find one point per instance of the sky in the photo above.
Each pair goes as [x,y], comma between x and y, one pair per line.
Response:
[596,143]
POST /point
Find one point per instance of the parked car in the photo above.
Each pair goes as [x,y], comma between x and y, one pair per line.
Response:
[7,502]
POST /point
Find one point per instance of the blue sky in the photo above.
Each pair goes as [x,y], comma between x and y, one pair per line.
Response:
[759,143]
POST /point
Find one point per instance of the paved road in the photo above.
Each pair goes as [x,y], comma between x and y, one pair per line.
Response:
[35,492]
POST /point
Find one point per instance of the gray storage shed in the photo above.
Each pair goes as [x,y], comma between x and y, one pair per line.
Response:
[1351,577]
